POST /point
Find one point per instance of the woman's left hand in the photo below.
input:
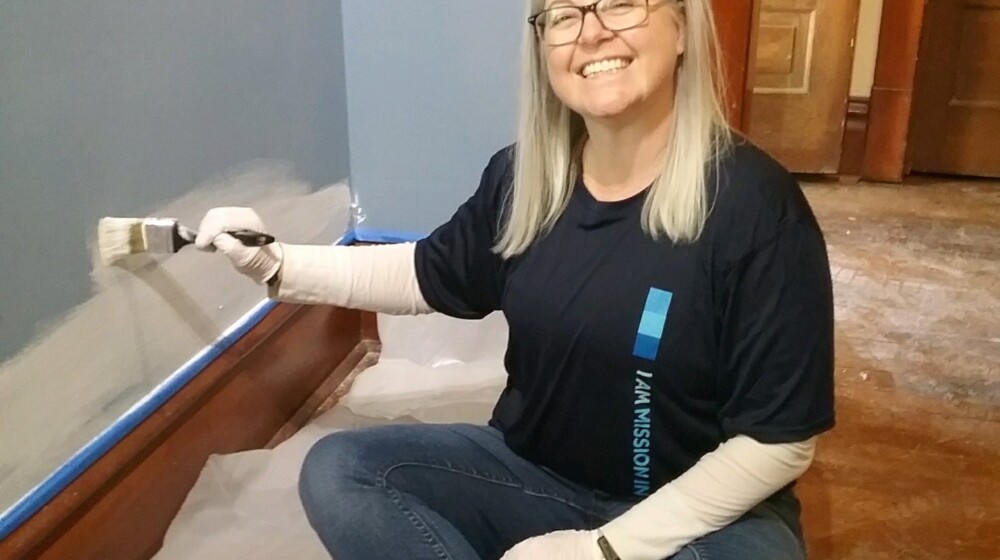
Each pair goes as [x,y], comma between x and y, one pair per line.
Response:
[560,545]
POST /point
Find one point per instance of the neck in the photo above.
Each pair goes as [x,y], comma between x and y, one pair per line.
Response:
[622,156]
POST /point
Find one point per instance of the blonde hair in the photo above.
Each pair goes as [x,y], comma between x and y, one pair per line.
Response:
[550,136]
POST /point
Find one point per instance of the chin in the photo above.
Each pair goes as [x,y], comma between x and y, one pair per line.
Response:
[605,110]
[609,102]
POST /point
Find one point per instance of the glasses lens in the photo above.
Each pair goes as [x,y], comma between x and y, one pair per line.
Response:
[618,15]
[560,25]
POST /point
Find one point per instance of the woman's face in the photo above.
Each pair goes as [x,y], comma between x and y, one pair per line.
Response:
[638,63]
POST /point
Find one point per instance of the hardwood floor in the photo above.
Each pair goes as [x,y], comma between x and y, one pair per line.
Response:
[912,470]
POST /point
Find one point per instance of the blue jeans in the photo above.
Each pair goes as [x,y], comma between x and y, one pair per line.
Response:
[456,491]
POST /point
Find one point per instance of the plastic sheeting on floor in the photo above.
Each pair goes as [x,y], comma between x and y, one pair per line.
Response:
[432,369]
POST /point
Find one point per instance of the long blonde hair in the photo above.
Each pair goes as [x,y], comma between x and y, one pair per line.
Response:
[550,136]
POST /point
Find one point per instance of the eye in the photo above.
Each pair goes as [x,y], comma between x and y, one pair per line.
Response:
[561,18]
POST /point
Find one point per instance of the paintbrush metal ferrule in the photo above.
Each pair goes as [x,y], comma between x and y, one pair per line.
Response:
[160,235]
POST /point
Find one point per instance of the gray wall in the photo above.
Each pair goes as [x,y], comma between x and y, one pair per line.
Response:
[432,90]
[110,107]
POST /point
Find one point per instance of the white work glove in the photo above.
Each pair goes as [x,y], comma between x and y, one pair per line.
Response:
[260,264]
[560,545]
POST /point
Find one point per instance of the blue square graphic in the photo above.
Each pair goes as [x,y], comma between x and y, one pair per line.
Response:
[658,301]
[652,324]
[646,347]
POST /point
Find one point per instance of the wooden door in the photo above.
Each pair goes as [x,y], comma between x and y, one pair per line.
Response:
[801,81]
[956,114]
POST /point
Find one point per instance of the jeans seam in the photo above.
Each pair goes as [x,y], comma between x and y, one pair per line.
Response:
[382,475]
[418,523]
[592,512]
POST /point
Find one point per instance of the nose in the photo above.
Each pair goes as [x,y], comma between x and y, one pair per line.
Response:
[593,31]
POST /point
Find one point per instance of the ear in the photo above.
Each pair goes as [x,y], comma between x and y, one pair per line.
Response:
[681,19]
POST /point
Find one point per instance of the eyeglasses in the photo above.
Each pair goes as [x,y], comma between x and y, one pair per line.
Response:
[562,25]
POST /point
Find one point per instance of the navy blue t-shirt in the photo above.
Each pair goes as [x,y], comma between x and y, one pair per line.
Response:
[631,358]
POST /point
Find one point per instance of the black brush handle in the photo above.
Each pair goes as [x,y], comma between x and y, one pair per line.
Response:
[251,238]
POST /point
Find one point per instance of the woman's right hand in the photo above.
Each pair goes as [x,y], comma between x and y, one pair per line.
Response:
[260,264]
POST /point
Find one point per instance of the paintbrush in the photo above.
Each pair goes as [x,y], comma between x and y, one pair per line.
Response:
[120,237]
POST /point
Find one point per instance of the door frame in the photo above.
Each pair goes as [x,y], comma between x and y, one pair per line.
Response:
[736,20]
[885,156]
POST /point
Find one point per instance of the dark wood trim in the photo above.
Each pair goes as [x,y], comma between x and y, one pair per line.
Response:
[121,506]
[852,155]
[892,92]
[329,392]
[369,326]
[751,65]
[735,19]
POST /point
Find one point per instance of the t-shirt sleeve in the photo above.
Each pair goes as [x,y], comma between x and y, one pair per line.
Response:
[457,270]
[777,339]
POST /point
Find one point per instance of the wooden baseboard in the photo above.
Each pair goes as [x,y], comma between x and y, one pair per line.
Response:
[120,508]
[855,134]
[363,356]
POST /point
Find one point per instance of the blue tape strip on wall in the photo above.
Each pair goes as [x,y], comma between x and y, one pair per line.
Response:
[63,476]
[37,497]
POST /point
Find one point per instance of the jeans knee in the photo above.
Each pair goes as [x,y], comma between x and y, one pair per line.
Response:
[332,466]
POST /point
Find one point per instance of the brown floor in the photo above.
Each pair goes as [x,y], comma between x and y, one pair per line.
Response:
[912,470]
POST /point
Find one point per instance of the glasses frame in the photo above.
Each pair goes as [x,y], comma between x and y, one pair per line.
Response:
[584,10]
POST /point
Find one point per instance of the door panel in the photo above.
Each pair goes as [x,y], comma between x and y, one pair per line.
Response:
[801,81]
[956,114]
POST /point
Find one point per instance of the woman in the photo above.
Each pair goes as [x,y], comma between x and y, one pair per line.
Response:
[670,311]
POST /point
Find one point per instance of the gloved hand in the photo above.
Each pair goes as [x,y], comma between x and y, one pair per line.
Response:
[560,545]
[260,264]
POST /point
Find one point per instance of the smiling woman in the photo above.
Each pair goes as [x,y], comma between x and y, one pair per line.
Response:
[668,296]
[657,46]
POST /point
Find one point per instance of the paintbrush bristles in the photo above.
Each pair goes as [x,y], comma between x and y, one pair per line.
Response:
[120,237]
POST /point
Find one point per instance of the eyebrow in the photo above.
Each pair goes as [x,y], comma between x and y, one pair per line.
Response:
[557,3]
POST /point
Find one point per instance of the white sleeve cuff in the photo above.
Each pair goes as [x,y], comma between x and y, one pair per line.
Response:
[380,278]
[721,487]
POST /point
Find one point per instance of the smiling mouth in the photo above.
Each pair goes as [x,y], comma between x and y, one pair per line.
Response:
[605,67]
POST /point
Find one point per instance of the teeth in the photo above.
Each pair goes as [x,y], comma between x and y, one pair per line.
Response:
[610,65]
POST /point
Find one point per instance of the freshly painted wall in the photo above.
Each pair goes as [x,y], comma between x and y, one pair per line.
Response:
[136,108]
[107,108]
[431,95]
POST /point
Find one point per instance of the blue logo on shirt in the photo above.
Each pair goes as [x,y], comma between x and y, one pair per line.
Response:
[654,319]
[647,344]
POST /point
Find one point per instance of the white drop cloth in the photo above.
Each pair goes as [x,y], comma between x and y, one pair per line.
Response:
[432,369]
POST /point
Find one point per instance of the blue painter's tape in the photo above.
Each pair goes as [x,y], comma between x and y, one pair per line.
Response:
[658,301]
[40,495]
[646,347]
[349,238]
[366,235]
[652,324]
[37,497]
